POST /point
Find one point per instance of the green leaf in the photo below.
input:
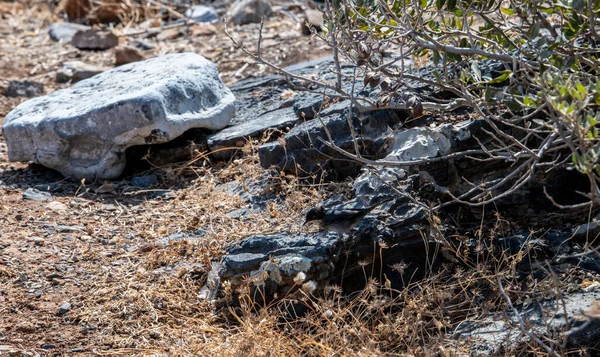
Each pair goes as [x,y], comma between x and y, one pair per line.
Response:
[423,4]
[507,11]
[436,58]
[501,78]
[528,102]
[570,62]
[535,30]
[581,89]
[439,3]
[451,5]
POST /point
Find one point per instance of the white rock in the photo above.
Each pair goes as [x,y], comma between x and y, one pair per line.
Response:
[202,14]
[83,131]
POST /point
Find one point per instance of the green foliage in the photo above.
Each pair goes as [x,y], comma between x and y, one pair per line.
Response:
[549,50]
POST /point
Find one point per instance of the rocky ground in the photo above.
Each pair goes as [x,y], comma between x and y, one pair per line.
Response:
[126,267]
[99,269]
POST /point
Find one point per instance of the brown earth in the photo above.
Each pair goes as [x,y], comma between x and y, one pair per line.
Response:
[129,294]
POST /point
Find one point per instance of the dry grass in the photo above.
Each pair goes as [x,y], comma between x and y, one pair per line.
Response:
[134,296]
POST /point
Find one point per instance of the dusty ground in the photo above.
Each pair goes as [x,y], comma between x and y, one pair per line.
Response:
[90,273]
[129,294]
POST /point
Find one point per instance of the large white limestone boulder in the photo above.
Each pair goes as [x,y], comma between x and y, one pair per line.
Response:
[83,131]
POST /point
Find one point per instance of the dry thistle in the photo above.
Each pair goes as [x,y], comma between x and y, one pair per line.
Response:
[299,278]
[309,287]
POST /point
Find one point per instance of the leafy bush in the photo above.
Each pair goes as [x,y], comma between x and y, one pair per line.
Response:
[528,66]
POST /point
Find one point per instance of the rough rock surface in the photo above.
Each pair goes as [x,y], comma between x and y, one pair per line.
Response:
[24,89]
[318,255]
[64,31]
[494,335]
[248,11]
[83,131]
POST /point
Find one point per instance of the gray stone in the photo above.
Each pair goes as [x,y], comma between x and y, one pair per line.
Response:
[248,11]
[35,195]
[273,262]
[312,254]
[64,31]
[94,40]
[24,89]
[237,136]
[83,131]
[143,45]
[499,333]
[64,308]
[75,71]
[202,14]
[304,144]
[422,143]
[307,105]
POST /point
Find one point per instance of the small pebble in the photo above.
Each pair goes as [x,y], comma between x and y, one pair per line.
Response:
[64,308]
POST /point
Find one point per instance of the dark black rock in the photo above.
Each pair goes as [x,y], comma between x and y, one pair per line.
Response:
[306,105]
[280,262]
[274,261]
[236,136]
[145,181]
[24,88]
[305,150]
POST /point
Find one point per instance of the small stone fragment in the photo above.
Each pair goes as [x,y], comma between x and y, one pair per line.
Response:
[248,11]
[312,19]
[202,13]
[64,308]
[24,89]
[203,30]
[106,188]
[127,54]
[76,71]
[142,45]
[36,195]
[94,40]
[168,34]
[57,206]
[39,241]
[64,31]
